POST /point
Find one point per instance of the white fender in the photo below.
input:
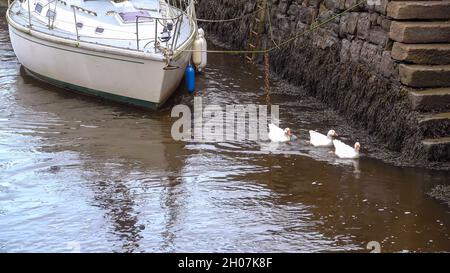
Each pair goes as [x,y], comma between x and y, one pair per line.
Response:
[197,54]
[204,53]
[200,54]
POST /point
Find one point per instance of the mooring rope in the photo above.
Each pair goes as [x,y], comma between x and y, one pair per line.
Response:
[228,20]
[266,52]
[293,38]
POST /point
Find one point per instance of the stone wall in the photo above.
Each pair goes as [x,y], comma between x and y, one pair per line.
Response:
[346,63]
[362,35]
[3,3]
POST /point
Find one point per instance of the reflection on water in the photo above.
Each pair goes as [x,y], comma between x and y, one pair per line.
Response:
[110,178]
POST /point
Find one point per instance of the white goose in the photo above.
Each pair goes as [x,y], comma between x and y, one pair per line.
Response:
[345,151]
[276,134]
[319,140]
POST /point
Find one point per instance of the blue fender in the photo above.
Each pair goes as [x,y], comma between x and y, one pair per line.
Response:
[190,78]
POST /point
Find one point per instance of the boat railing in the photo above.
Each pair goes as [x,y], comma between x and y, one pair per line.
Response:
[175,22]
[76,22]
[167,24]
[29,14]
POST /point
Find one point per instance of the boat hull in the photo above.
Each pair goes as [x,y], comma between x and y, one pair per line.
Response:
[141,82]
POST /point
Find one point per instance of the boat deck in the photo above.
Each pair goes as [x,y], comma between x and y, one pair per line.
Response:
[106,22]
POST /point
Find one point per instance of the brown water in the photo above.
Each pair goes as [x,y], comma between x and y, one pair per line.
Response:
[80,172]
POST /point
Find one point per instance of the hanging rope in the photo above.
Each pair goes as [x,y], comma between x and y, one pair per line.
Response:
[293,38]
[267,78]
[313,27]
[270,27]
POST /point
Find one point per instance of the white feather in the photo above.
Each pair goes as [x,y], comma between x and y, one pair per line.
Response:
[344,151]
[276,134]
[319,140]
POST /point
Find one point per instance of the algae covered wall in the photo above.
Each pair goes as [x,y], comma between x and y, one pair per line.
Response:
[346,63]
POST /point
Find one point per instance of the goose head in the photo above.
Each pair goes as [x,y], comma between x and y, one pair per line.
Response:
[331,134]
[357,146]
[287,132]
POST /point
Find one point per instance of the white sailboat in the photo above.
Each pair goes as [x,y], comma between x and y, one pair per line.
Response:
[132,51]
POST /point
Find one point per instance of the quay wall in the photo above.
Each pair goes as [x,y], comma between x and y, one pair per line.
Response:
[360,63]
